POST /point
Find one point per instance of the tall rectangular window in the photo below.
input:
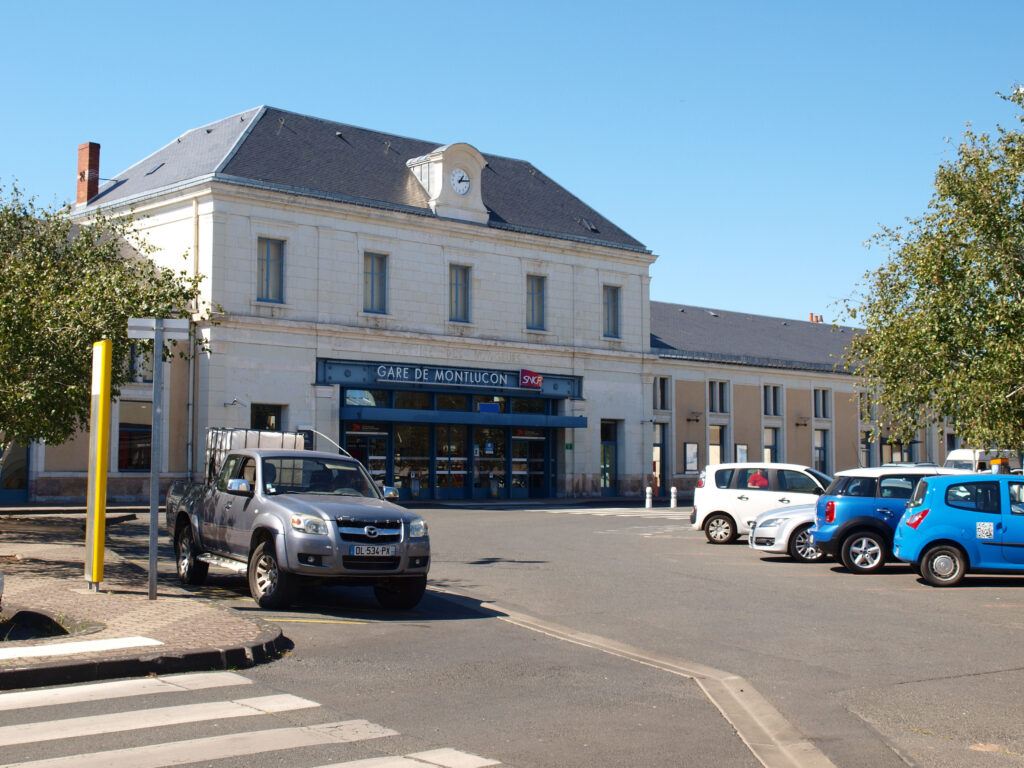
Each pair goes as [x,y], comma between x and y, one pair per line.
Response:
[716,444]
[718,396]
[867,449]
[375,282]
[822,404]
[772,400]
[611,311]
[661,401]
[821,450]
[269,269]
[535,302]
[134,436]
[771,444]
[458,293]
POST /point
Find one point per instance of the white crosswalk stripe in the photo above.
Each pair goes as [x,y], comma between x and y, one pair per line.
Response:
[649,514]
[161,754]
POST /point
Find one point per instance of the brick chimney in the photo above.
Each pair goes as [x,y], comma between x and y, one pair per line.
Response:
[88,172]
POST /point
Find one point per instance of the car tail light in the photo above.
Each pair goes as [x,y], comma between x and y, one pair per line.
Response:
[915,519]
[830,511]
[700,480]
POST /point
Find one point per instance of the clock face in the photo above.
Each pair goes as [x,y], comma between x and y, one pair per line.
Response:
[460,181]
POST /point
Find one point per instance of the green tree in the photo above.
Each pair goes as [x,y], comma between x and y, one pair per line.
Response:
[943,317]
[64,285]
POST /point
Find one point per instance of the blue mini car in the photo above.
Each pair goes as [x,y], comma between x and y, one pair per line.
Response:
[856,516]
[966,523]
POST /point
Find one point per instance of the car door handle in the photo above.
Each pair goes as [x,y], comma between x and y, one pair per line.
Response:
[743,498]
[886,512]
[783,500]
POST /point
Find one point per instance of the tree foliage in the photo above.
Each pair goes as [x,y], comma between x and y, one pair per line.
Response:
[63,286]
[943,317]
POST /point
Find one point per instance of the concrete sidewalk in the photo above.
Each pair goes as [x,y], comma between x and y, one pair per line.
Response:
[116,631]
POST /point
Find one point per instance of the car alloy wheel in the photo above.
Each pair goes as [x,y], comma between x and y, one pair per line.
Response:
[864,553]
[801,548]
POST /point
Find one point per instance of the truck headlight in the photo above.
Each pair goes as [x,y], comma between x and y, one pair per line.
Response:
[417,528]
[309,524]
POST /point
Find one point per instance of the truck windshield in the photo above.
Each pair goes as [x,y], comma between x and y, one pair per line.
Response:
[316,476]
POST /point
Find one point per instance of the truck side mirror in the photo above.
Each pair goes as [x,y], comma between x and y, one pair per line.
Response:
[239,487]
[389,491]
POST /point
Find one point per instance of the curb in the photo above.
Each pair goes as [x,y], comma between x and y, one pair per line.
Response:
[267,646]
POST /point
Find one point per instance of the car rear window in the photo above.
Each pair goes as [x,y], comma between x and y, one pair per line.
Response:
[852,486]
[897,486]
[723,477]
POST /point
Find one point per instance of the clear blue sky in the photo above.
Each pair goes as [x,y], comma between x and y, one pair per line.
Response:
[752,146]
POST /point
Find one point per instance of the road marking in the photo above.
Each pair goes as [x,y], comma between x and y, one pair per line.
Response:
[445,758]
[82,646]
[319,621]
[768,735]
[94,725]
[75,694]
[651,514]
[217,747]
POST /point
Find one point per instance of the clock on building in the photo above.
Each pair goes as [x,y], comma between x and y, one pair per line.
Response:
[460,181]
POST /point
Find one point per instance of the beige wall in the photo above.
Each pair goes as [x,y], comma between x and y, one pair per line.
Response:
[72,456]
[846,434]
[798,439]
[689,397]
[746,411]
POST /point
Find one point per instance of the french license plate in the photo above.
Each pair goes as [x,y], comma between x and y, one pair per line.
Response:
[372,550]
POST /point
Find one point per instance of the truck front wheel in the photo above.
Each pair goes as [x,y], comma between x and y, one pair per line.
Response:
[190,570]
[269,586]
[401,594]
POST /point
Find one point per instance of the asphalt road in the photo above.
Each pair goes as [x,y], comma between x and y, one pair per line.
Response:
[875,670]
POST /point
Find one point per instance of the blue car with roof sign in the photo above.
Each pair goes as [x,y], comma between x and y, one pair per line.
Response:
[956,525]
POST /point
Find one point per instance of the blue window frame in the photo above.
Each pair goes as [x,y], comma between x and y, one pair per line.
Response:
[611,311]
[458,293]
[270,270]
[375,283]
[535,302]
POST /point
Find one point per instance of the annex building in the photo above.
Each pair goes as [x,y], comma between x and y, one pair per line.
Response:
[458,321]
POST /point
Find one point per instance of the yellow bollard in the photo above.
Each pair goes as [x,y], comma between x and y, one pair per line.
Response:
[99,457]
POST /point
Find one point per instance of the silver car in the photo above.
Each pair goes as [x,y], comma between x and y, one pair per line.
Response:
[787,531]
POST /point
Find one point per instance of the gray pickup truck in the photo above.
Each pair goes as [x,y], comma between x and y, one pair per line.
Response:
[292,516]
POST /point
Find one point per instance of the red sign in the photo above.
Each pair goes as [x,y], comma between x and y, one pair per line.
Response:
[530,379]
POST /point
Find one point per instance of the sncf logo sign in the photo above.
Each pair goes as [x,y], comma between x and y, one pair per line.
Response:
[530,379]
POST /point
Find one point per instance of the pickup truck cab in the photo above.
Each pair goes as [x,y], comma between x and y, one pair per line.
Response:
[286,517]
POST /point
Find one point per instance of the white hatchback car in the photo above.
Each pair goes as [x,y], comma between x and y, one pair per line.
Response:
[729,497]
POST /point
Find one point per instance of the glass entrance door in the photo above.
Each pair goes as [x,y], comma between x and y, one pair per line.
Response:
[489,470]
[369,445]
[452,461]
[658,462]
[529,476]
[14,474]
[412,461]
[609,458]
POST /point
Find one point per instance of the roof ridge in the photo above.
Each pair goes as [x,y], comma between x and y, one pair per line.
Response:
[260,111]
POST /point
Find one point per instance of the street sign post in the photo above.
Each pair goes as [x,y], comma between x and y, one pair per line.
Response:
[160,330]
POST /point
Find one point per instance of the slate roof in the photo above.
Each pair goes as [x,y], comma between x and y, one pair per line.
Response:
[700,334]
[273,149]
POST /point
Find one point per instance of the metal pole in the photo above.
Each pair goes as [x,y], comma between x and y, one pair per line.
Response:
[155,451]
